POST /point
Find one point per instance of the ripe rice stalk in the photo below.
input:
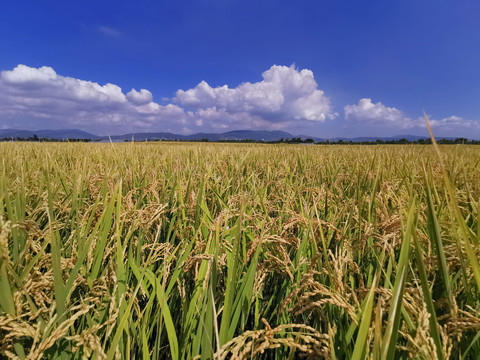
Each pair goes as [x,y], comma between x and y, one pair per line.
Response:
[389,341]
[178,250]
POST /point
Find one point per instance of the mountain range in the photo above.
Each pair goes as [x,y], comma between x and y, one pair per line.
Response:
[236,135]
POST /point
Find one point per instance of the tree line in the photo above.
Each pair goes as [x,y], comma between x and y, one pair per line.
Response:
[293,140]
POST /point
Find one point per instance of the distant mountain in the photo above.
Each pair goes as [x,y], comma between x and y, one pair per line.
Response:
[66,134]
[257,135]
[236,135]
[51,134]
[12,133]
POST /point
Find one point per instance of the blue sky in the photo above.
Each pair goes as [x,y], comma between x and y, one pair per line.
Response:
[323,68]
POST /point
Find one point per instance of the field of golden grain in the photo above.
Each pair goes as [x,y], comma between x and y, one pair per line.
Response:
[239,251]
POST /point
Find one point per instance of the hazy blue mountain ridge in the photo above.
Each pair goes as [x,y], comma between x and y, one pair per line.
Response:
[236,135]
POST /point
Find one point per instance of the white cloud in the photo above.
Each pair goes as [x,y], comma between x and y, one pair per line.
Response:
[59,101]
[377,115]
[286,98]
[284,95]
[24,75]
[140,97]
[367,112]
[217,120]
[455,123]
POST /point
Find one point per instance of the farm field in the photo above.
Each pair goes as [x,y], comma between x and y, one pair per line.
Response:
[239,251]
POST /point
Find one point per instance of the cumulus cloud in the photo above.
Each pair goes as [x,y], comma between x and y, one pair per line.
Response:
[454,123]
[60,101]
[26,75]
[366,111]
[284,95]
[286,98]
[140,97]
[218,119]
[377,114]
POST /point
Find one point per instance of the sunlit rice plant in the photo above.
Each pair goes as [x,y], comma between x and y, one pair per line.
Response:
[239,251]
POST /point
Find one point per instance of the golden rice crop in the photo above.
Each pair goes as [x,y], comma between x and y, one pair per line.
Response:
[239,251]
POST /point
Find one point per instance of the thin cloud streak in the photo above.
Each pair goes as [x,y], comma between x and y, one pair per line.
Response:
[109,31]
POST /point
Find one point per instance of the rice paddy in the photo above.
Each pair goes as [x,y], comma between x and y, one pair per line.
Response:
[239,251]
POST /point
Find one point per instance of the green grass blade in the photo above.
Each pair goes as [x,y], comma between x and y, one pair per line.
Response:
[360,343]
[389,341]
[6,297]
[167,317]
[436,239]
[428,299]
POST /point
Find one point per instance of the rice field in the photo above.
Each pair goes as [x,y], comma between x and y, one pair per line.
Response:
[239,251]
